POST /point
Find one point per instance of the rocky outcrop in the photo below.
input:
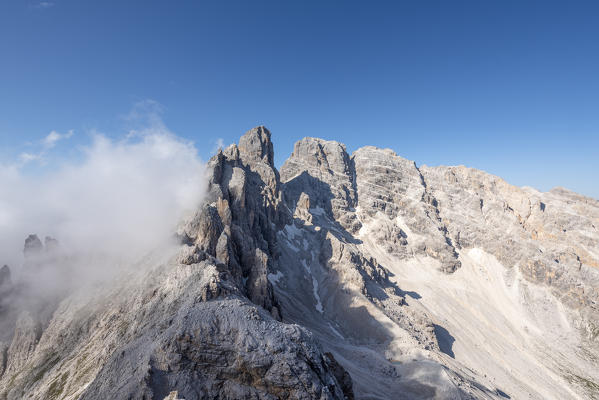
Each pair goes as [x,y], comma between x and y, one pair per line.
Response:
[371,182]
[393,187]
[224,350]
[237,224]
[25,339]
[183,327]
[341,375]
[323,172]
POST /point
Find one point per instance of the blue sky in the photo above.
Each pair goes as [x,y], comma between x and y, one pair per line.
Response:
[509,87]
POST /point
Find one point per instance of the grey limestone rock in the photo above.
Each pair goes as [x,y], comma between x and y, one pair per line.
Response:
[237,224]
[346,276]
[550,237]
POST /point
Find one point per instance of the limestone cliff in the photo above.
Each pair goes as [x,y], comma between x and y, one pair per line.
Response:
[344,276]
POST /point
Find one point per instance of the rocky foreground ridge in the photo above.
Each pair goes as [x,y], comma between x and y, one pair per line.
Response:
[339,276]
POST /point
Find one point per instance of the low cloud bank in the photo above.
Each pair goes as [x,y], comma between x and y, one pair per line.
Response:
[121,197]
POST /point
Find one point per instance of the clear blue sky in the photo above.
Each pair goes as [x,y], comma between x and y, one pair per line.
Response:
[510,87]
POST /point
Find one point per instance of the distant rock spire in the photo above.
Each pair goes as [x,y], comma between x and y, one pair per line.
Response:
[33,246]
[4,277]
[51,244]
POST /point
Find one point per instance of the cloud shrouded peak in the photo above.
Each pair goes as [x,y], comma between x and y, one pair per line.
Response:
[121,197]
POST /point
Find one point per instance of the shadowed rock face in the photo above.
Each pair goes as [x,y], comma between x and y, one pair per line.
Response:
[237,224]
[346,276]
[371,181]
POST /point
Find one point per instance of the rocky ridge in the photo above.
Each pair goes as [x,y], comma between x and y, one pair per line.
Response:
[342,276]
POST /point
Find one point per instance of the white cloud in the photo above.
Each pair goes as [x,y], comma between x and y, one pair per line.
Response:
[46,144]
[53,137]
[218,145]
[145,117]
[42,5]
[121,198]
[28,157]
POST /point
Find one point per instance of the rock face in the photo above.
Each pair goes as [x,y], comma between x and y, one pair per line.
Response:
[550,238]
[345,276]
[372,181]
[238,222]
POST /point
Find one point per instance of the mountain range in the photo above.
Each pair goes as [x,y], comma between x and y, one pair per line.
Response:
[339,276]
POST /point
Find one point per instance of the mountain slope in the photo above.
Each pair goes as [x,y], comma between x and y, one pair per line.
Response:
[340,276]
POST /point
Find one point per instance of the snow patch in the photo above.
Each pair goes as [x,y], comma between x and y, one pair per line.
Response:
[274,278]
[317,211]
[335,331]
[291,231]
[318,305]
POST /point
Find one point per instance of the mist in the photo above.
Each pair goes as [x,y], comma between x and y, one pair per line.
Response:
[110,201]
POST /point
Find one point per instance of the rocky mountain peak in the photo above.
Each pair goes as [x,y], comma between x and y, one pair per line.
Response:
[51,244]
[327,155]
[238,222]
[321,174]
[256,144]
[346,275]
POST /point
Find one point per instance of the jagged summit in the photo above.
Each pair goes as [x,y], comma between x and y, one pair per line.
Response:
[256,144]
[342,276]
[324,154]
